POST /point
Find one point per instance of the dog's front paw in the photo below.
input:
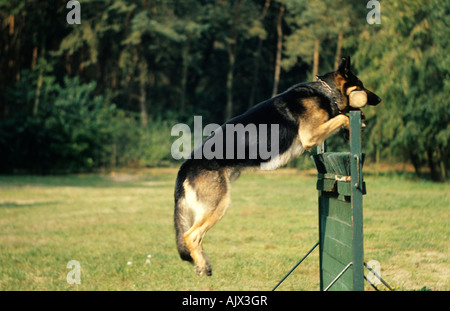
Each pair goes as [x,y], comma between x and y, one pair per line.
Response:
[204,270]
[345,121]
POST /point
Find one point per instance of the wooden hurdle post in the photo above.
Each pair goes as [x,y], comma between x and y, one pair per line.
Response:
[341,187]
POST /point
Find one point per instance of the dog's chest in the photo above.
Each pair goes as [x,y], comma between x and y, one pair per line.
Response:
[295,150]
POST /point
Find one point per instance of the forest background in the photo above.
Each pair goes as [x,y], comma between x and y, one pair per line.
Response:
[105,93]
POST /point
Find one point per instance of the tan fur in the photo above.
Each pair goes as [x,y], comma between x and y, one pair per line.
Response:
[340,82]
[315,126]
[208,199]
[351,89]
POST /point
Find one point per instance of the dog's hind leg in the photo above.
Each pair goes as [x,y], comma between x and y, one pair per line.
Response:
[209,199]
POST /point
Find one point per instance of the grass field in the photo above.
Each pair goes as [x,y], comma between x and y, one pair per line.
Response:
[111,223]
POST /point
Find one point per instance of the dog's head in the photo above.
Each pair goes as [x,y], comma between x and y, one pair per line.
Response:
[352,89]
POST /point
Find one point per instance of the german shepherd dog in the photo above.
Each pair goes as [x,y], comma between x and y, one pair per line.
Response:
[306,114]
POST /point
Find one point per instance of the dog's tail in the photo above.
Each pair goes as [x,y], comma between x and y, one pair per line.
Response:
[182,219]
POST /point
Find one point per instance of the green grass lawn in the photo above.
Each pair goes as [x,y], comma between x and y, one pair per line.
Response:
[111,223]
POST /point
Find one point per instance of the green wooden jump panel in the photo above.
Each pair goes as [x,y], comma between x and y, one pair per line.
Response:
[341,188]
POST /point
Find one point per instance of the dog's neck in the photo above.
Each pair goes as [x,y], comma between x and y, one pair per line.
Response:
[332,92]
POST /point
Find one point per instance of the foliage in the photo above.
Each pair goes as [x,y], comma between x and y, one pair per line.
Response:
[99,94]
[65,135]
[76,131]
[413,81]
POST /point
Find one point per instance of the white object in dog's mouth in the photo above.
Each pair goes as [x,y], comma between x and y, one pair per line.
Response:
[357,99]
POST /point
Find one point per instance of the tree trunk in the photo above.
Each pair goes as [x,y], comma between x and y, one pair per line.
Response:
[34,57]
[67,61]
[316,59]
[143,92]
[230,77]
[231,43]
[377,161]
[257,56]
[434,169]
[183,87]
[445,160]
[442,165]
[276,79]
[39,81]
[11,25]
[338,50]
[184,75]
[38,92]
[416,163]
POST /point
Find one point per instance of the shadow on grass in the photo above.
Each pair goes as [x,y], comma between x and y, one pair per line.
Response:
[90,181]
[24,205]
[393,174]
[403,175]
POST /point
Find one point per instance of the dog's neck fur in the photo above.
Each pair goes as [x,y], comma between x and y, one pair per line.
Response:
[328,86]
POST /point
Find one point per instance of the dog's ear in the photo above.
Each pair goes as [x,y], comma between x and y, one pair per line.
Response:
[344,66]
